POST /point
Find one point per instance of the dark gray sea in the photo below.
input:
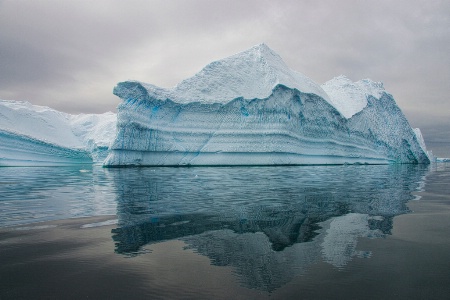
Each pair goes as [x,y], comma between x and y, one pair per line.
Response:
[301,232]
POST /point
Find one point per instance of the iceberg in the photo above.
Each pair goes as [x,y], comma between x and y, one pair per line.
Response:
[32,135]
[252,109]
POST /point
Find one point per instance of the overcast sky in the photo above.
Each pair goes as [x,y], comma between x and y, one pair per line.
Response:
[70,54]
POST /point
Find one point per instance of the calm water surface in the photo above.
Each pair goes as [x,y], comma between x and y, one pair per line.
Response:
[239,232]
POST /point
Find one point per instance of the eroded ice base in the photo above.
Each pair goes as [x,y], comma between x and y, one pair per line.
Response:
[137,158]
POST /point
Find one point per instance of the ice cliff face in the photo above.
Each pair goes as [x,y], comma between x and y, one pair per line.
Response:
[37,135]
[251,109]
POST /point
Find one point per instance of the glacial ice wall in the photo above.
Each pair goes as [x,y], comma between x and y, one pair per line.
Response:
[251,109]
[32,135]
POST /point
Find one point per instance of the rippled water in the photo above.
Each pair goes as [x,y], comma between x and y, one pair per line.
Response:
[41,194]
[136,194]
[269,224]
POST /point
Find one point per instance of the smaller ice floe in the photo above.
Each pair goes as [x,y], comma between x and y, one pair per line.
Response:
[33,135]
[442,159]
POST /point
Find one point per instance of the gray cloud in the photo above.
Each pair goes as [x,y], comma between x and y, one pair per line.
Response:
[70,54]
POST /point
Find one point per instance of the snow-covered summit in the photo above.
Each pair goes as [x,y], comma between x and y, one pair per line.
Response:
[350,97]
[250,74]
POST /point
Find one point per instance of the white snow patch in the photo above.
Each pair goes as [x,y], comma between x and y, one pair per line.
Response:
[350,97]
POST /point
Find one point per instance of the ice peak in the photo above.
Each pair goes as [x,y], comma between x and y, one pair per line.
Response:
[249,74]
[265,52]
[265,56]
[262,47]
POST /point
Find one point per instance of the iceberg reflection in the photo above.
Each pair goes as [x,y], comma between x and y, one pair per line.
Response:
[268,223]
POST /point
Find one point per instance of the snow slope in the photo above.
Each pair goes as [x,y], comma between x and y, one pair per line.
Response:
[251,109]
[38,135]
[250,74]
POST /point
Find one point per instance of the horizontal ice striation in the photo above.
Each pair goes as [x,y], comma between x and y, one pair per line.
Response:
[20,150]
[32,135]
[251,109]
